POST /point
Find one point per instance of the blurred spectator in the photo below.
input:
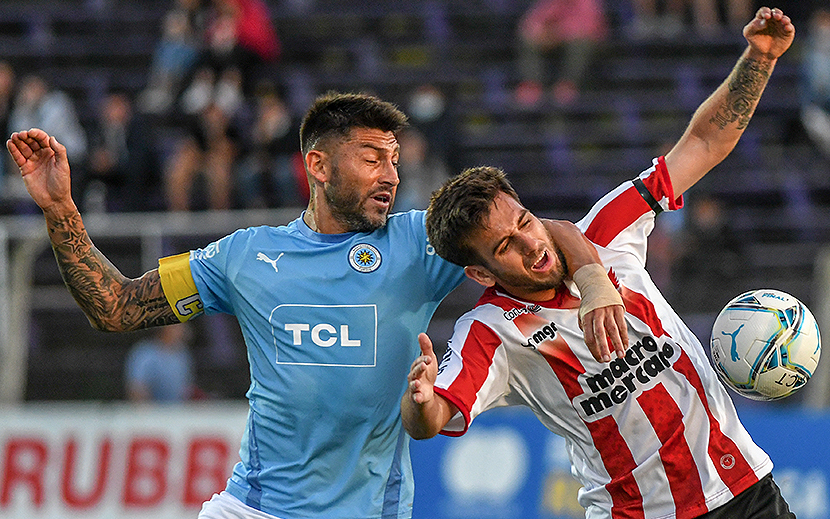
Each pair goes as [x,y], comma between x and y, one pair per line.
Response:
[160,368]
[430,112]
[174,56]
[421,171]
[271,171]
[36,105]
[708,258]
[39,106]
[255,32]
[239,39]
[206,152]
[226,91]
[815,109]
[738,12]
[122,171]
[8,80]
[566,31]
[650,21]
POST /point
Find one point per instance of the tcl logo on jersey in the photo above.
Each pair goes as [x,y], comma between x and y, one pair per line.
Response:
[637,371]
[323,334]
[309,335]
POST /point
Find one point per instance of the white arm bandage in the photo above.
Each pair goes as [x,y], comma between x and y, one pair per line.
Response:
[595,288]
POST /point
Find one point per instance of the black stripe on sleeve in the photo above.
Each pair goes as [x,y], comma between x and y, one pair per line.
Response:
[647,196]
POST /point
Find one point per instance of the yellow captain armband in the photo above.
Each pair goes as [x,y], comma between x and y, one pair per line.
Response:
[179,287]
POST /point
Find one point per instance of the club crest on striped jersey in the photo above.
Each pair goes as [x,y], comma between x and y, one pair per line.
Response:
[364,258]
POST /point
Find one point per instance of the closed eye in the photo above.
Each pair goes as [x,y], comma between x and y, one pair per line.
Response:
[524,219]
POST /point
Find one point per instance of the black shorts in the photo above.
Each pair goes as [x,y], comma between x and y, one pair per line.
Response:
[762,500]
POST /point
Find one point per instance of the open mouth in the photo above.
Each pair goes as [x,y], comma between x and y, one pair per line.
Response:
[542,262]
[383,198]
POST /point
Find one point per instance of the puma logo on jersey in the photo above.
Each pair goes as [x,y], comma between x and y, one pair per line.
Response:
[262,257]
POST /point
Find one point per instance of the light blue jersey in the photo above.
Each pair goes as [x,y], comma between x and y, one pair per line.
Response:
[331,325]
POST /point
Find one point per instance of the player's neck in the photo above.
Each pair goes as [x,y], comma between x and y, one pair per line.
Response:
[320,219]
[533,296]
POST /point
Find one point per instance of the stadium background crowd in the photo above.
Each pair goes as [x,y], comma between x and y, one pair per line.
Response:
[185,106]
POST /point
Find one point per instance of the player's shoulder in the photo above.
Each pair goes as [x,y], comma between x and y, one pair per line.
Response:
[405,227]
[501,312]
[492,308]
[414,218]
[233,244]
[263,232]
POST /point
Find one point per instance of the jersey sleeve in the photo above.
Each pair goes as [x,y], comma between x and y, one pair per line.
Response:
[179,287]
[209,267]
[623,219]
[442,275]
[473,374]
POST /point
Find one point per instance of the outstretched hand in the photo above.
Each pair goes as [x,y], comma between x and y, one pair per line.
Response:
[44,166]
[770,33]
[423,372]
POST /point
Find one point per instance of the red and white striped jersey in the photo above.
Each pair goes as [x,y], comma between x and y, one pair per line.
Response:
[653,435]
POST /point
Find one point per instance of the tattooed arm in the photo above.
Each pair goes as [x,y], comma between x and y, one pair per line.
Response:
[721,120]
[111,301]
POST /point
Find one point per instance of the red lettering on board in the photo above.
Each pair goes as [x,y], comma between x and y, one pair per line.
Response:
[146,478]
[25,464]
[207,461]
[71,495]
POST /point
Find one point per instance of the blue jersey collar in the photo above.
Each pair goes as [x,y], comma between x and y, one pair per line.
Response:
[319,236]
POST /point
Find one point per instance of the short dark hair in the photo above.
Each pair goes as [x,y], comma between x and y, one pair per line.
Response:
[337,113]
[458,209]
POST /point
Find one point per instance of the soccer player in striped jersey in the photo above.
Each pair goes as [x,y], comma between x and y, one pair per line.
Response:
[652,434]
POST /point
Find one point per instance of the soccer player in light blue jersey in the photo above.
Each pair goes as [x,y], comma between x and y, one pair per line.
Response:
[330,307]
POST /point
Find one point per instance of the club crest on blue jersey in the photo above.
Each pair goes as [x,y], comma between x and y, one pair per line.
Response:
[364,258]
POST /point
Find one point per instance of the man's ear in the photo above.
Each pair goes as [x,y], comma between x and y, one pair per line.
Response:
[480,275]
[316,163]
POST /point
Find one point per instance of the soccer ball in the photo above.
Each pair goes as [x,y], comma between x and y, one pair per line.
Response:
[765,344]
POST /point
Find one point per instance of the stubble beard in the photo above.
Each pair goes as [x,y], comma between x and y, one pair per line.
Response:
[528,284]
[347,206]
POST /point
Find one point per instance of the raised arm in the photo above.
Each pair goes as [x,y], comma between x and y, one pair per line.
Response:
[111,301]
[424,413]
[720,121]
